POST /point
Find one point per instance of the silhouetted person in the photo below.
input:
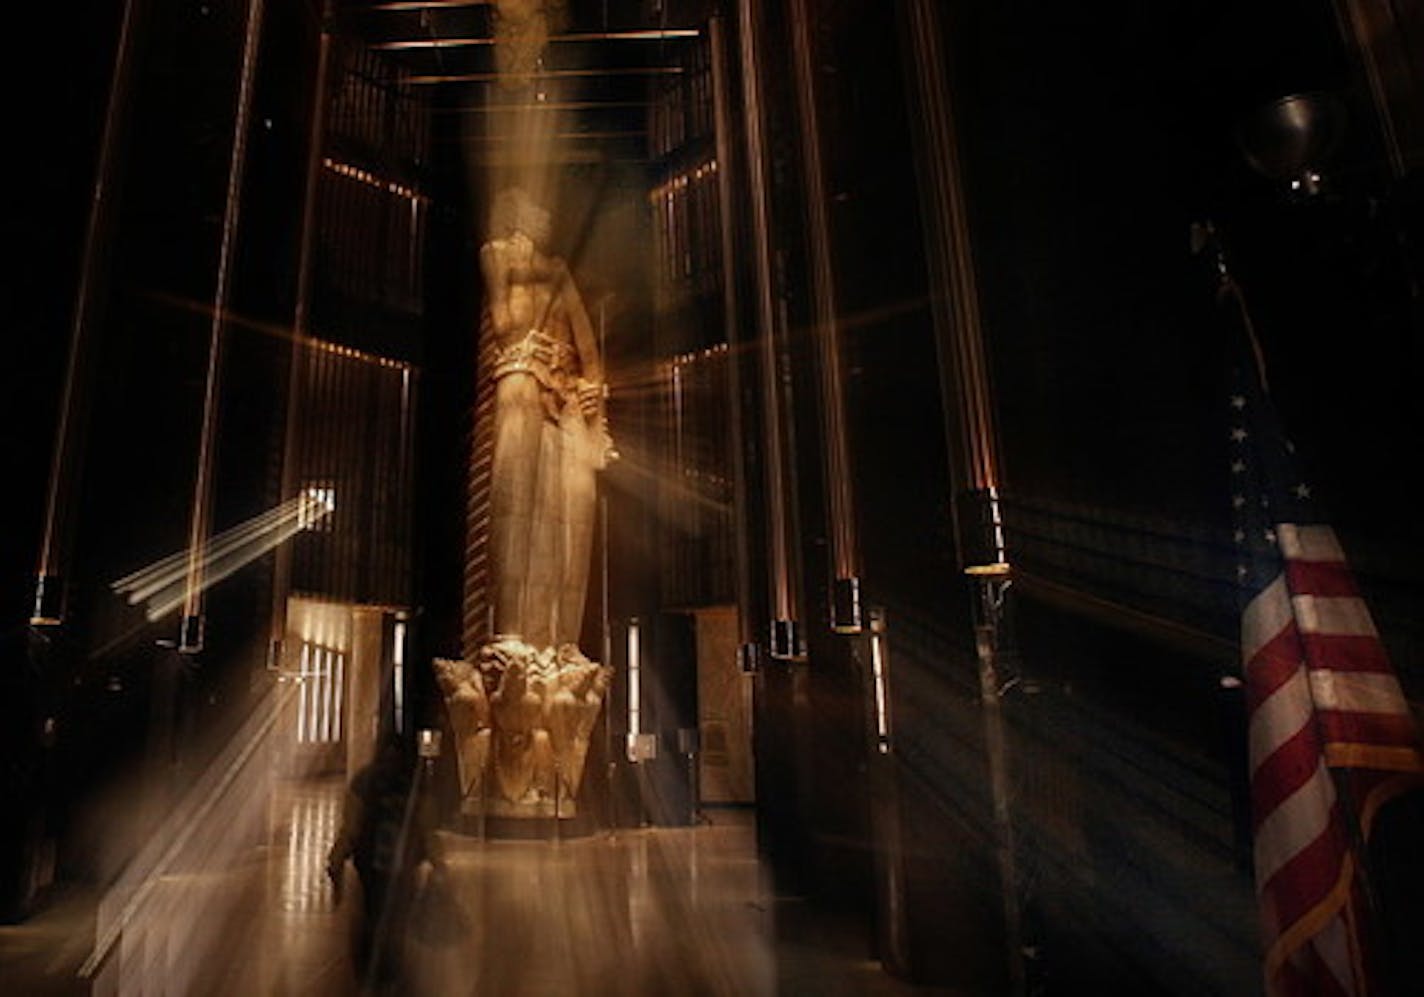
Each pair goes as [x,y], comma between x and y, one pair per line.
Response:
[387,830]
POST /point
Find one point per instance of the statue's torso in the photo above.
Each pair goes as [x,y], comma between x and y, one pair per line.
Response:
[532,330]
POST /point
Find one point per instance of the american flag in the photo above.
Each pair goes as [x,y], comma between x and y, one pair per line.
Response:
[1331,735]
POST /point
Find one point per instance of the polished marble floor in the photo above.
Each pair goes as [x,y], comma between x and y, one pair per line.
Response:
[650,911]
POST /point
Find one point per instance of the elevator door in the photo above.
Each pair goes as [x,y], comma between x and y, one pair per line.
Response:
[724,711]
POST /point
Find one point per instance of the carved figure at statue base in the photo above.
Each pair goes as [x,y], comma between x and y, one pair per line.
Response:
[521,719]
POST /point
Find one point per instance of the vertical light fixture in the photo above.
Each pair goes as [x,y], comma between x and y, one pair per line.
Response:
[968,411]
[303,670]
[339,695]
[64,477]
[879,676]
[634,689]
[785,638]
[297,365]
[398,673]
[747,647]
[190,636]
[835,449]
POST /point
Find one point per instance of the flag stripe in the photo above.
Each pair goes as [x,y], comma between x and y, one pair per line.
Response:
[1357,692]
[1330,578]
[1331,734]
[1346,653]
[1308,542]
[1332,949]
[1306,885]
[1327,615]
[1273,665]
[1284,771]
[1380,732]
[1295,823]
[1281,717]
[1266,616]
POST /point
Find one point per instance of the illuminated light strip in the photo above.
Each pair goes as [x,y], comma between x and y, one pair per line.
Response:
[398,673]
[877,665]
[681,180]
[314,702]
[336,349]
[200,525]
[686,359]
[996,517]
[371,180]
[302,690]
[634,691]
[328,673]
[340,694]
[649,35]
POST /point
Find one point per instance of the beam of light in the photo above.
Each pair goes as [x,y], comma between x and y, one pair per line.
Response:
[672,482]
[208,832]
[64,469]
[200,526]
[161,586]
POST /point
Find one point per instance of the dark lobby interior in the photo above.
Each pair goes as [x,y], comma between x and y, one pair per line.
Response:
[932,401]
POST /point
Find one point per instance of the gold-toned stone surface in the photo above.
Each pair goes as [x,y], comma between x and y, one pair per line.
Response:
[524,702]
[522,718]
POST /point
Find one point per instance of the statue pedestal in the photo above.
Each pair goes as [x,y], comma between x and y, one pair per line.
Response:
[526,828]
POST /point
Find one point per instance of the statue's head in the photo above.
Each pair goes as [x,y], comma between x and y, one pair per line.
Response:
[515,211]
[451,673]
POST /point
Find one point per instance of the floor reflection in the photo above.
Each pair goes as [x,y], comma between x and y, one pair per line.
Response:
[665,911]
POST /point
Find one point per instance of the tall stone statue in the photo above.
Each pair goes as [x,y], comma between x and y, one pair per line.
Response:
[548,430]
[541,440]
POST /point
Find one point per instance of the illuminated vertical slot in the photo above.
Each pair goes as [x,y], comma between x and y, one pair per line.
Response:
[996,521]
[302,693]
[313,683]
[634,690]
[877,670]
[340,695]
[398,673]
[323,686]
[327,670]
